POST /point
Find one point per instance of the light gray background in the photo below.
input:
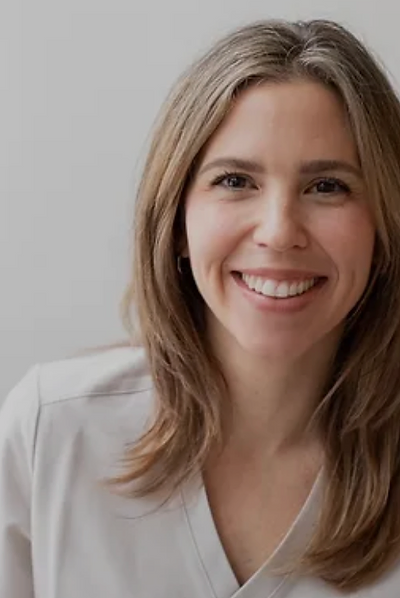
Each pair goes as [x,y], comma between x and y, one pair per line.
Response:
[81,82]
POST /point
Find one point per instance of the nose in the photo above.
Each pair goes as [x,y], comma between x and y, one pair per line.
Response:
[280,223]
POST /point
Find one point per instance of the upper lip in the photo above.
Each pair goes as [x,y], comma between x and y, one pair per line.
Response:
[275,274]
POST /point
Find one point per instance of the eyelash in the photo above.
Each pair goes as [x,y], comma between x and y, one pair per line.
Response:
[226,175]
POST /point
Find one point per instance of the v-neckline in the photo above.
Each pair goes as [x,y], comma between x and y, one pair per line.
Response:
[211,553]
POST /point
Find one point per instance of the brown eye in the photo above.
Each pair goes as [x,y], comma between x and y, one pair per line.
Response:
[329,186]
[235,181]
[232,180]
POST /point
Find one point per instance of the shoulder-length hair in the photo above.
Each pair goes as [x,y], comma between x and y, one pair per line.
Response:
[357,537]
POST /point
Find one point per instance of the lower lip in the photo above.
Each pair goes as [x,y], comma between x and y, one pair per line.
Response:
[279,305]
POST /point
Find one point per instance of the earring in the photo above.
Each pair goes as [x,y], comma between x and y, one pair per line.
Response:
[179,264]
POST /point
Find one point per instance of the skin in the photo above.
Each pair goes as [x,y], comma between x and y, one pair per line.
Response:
[288,213]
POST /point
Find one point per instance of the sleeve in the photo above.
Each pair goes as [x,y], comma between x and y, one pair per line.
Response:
[18,423]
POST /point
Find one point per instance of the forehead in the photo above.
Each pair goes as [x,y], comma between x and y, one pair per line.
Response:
[295,119]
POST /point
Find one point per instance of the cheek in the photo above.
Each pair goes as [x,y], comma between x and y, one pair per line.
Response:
[210,232]
[349,237]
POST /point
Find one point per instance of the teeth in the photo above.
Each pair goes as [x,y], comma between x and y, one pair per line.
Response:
[282,290]
[259,285]
[274,288]
[269,288]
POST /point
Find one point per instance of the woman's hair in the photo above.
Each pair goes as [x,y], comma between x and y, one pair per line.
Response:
[357,537]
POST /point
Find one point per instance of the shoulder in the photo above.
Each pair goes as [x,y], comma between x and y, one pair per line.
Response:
[107,393]
[122,370]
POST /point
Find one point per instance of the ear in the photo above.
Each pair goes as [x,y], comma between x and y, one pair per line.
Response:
[182,248]
[185,251]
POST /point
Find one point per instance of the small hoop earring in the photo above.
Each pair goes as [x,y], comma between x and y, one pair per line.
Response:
[179,264]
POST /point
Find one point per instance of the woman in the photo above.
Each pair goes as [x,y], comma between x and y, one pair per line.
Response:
[259,415]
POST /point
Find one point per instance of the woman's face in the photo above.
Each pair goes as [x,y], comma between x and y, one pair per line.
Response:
[279,232]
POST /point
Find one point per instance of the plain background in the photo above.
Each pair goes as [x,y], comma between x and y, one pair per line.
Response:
[81,83]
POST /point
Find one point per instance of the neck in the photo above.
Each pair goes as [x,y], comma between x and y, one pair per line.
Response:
[271,403]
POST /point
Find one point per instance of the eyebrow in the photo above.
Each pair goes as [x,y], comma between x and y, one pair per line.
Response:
[312,167]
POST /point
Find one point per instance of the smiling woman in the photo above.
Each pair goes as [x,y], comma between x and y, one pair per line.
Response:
[257,403]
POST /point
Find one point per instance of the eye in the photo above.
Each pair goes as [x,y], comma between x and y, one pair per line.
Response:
[329,186]
[233,180]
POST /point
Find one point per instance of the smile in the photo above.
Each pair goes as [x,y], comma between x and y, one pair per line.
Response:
[278,288]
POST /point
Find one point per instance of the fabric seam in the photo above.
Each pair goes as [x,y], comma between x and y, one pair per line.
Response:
[196,546]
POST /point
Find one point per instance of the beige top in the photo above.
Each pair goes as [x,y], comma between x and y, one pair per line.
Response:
[64,535]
